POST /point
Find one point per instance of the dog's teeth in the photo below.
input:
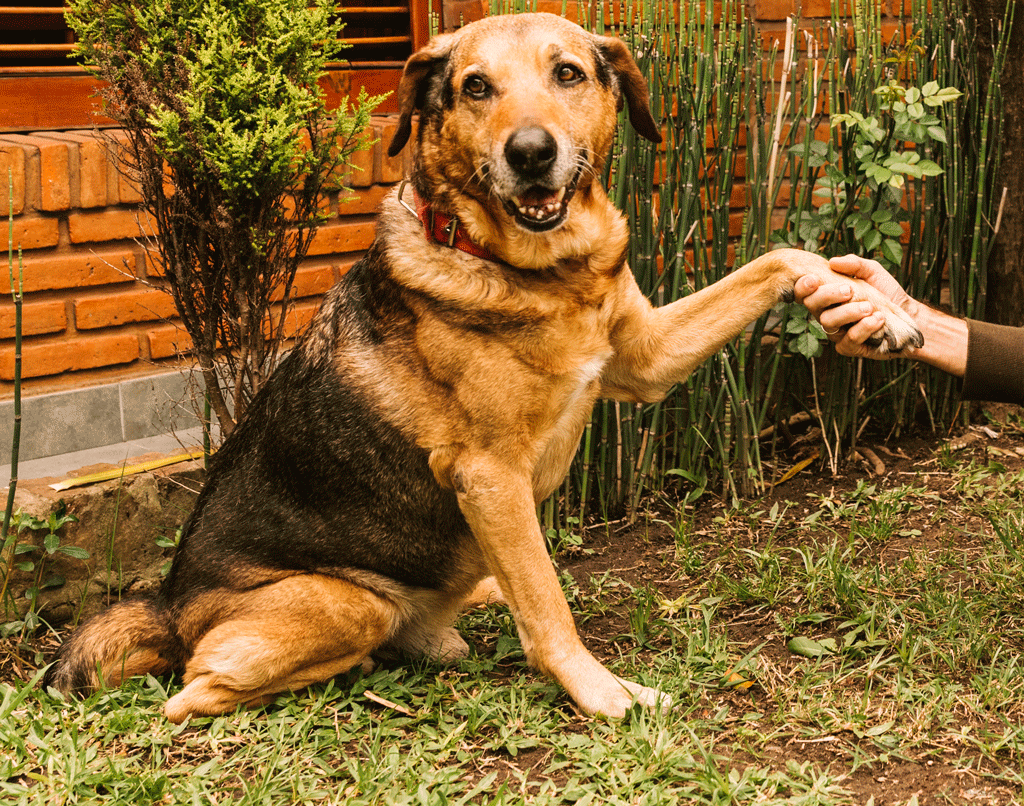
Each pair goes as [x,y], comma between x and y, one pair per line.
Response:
[561,193]
[518,203]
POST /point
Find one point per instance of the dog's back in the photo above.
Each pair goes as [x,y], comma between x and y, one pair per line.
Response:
[314,480]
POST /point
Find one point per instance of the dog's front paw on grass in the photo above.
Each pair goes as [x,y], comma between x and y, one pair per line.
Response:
[616,698]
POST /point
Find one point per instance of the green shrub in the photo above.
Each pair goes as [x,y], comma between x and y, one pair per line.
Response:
[233,148]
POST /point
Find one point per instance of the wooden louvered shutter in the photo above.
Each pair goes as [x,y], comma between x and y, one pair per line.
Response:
[41,87]
[33,35]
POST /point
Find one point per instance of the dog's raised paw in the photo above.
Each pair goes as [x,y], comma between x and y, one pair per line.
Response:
[899,333]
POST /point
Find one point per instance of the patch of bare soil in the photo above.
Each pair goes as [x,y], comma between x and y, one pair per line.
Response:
[645,555]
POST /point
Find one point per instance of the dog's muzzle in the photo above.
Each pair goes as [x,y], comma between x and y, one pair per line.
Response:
[541,195]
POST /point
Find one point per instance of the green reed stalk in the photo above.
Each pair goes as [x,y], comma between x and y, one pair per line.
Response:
[716,94]
[6,538]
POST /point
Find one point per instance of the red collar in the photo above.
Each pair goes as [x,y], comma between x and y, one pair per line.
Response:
[444,229]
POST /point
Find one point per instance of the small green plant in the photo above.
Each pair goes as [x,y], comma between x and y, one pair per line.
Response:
[803,333]
[568,542]
[236,155]
[32,558]
[865,169]
[165,542]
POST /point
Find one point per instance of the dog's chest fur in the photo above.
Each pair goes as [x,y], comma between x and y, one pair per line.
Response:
[480,354]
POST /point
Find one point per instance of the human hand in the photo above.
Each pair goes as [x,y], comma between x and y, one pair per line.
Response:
[849,324]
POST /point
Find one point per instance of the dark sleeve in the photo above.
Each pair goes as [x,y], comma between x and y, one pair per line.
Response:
[995,363]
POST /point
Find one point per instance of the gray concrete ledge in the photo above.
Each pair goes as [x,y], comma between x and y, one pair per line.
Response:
[64,431]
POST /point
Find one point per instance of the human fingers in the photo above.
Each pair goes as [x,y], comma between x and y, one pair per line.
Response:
[805,286]
[835,319]
[827,296]
[874,274]
[852,341]
[870,271]
[856,266]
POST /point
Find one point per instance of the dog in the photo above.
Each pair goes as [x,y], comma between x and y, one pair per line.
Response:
[388,474]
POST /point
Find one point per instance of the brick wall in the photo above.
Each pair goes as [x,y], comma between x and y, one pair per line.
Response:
[94,312]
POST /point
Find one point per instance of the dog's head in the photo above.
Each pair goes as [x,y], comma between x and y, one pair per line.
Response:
[518,113]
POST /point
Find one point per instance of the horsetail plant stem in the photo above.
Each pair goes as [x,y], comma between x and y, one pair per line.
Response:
[16,295]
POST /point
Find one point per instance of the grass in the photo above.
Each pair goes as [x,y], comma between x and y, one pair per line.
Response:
[853,641]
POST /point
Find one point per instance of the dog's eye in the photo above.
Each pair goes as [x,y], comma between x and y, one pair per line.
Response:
[569,74]
[475,86]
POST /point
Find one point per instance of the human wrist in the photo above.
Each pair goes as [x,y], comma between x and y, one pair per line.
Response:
[945,340]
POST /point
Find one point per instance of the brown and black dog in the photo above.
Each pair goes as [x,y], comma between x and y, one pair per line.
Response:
[390,470]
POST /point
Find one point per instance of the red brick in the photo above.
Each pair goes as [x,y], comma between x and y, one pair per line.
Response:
[815,8]
[89,167]
[93,167]
[297,320]
[127,189]
[774,9]
[311,281]
[12,167]
[74,271]
[458,11]
[323,203]
[345,265]
[54,358]
[33,232]
[36,318]
[109,225]
[780,9]
[151,261]
[111,310]
[363,202]
[54,173]
[343,236]
[299,317]
[167,341]
[392,169]
[360,172]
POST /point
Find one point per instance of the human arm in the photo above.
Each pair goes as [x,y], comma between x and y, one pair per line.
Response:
[990,358]
[995,363]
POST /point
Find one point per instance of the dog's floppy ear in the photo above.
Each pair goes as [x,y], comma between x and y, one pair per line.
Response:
[412,89]
[633,86]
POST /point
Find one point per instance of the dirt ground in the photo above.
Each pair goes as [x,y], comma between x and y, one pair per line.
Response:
[636,553]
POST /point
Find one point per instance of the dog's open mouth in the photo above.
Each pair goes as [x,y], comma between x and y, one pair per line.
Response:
[539,208]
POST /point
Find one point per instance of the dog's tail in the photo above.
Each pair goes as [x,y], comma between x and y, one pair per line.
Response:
[132,637]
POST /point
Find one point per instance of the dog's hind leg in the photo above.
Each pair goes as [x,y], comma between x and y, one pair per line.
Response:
[430,632]
[486,592]
[283,636]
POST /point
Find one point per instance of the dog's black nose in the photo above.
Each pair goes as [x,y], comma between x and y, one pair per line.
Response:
[530,151]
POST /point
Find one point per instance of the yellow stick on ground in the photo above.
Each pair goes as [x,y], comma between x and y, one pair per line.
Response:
[129,470]
[796,469]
